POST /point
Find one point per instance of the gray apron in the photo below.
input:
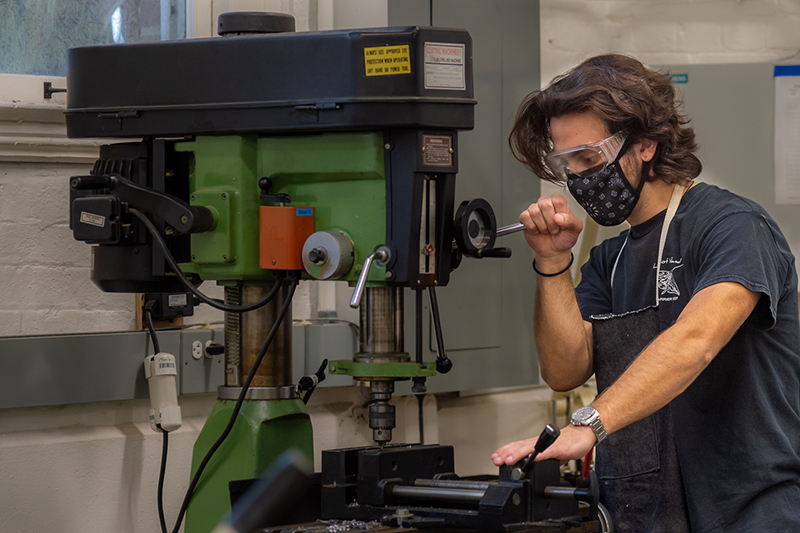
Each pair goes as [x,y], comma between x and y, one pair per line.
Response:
[640,479]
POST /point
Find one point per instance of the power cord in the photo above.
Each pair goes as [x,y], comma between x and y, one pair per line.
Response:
[295,279]
[148,316]
[148,319]
[161,475]
[190,286]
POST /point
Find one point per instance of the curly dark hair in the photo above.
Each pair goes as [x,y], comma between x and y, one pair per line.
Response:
[626,95]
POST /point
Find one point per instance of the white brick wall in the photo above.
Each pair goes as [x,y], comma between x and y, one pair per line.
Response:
[45,286]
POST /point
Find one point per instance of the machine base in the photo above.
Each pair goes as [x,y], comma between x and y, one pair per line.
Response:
[264,430]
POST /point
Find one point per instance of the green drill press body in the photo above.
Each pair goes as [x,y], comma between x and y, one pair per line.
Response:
[340,175]
[263,430]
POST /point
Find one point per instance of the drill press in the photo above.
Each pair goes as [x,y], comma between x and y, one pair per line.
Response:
[266,155]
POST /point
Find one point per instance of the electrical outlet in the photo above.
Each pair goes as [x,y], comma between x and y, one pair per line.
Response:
[197,350]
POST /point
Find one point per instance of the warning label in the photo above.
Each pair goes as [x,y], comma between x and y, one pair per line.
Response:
[445,66]
[387,60]
[438,150]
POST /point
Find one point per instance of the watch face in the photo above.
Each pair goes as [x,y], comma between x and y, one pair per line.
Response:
[583,414]
[588,416]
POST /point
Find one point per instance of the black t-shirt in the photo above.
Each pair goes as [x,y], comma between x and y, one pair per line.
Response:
[737,426]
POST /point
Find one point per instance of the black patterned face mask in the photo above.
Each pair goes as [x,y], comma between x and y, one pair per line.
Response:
[608,197]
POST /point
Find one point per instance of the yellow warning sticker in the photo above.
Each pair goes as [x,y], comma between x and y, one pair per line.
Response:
[387,60]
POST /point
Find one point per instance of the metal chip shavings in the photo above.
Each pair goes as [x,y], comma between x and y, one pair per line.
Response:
[338,526]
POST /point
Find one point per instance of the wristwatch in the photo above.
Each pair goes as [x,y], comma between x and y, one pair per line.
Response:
[588,416]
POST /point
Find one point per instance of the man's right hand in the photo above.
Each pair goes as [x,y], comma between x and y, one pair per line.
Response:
[551,229]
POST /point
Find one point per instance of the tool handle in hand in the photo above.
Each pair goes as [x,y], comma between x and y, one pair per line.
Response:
[548,437]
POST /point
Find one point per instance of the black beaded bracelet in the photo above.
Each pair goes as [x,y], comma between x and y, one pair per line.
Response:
[571,259]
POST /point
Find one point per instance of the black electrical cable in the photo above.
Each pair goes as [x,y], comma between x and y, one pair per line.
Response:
[148,316]
[161,476]
[188,284]
[230,309]
[284,310]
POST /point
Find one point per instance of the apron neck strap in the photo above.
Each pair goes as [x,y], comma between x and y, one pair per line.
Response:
[674,202]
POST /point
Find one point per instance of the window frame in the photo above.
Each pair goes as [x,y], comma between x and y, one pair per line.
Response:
[33,128]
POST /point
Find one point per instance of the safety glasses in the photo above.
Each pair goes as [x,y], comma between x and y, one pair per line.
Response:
[586,160]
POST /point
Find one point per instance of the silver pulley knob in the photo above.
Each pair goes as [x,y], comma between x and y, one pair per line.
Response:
[328,255]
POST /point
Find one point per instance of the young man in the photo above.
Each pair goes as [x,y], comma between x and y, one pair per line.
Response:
[689,319]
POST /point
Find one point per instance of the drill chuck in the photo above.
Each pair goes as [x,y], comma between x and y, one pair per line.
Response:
[382,421]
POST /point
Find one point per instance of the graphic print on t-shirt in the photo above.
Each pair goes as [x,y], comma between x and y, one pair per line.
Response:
[667,287]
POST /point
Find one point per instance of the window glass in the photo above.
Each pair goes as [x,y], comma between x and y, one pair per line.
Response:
[35,34]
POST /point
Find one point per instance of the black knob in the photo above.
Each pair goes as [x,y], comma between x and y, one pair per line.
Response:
[84,183]
[443,365]
[318,255]
[548,437]
[495,252]
[215,349]
[254,22]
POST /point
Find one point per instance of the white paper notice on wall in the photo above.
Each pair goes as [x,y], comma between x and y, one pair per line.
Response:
[787,134]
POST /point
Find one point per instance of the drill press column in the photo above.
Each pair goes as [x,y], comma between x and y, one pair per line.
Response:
[244,338]
[381,341]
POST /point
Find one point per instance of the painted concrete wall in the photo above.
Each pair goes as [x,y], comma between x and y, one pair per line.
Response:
[94,467]
[662,32]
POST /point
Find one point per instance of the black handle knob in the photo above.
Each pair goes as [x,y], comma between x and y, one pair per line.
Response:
[215,349]
[84,183]
[318,255]
[495,252]
[443,365]
[548,437]
[265,184]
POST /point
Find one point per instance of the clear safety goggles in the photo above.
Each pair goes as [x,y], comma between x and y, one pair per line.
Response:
[586,160]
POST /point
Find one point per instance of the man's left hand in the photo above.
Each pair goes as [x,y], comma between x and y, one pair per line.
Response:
[573,443]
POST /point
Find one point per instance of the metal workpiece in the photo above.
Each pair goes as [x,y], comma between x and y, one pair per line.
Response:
[380,257]
[560,492]
[244,339]
[328,255]
[438,494]
[452,484]
[381,322]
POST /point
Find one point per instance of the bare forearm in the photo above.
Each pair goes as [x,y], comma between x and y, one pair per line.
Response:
[561,336]
[664,370]
[676,357]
